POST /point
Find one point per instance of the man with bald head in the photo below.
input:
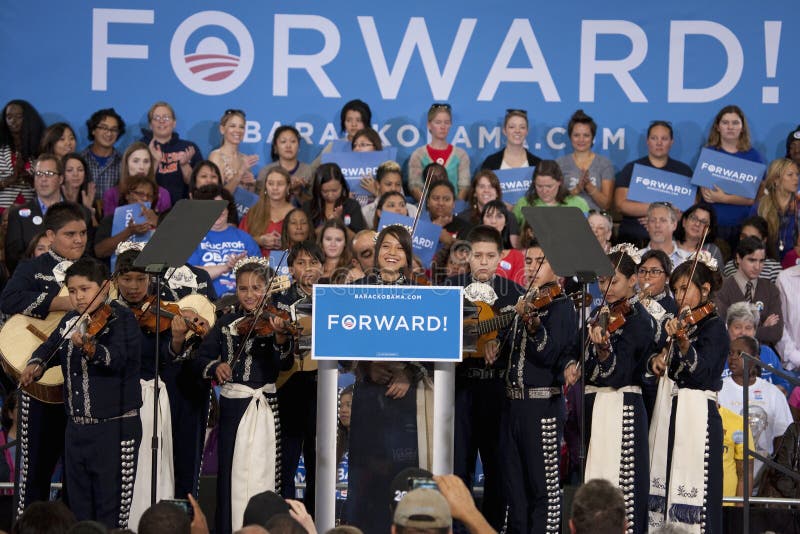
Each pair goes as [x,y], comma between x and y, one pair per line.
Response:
[364,251]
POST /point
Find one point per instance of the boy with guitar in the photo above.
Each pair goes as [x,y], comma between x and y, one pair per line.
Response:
[297,395]
[480,380]
[33,291]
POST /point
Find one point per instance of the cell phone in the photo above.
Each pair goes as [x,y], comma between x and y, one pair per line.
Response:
[422,482]
[183,504]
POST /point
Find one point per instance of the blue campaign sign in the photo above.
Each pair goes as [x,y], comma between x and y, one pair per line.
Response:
[277,261]
[357,165]
[426,236]
[514,182]
[124,214]
[341,145]
[391,323]
[735,176]
[244,200]
[649,184]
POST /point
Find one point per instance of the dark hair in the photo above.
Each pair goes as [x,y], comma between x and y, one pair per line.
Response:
[484,233]
[791,139]
[198,166]
[132,182]
[579,117]
[404,238]
[402,530]
[125,262]
[714,136]
[265,272]
[164,517]
[759,223]
[285,229]
[500,207]
[88,527]
[388,167]
[9,405]
[31,134]
[381,201]
[98,116]
[598,508]
[324,174]
[343,263]
[31,248]
[361,107]
[434,185]
[87,176]
[283,524]
[748,245]
[437,172]
[702,275]
[680,232]
[472,198]
[663,124]
[51,517]
[211,191]
[662,258]
[623,262]
[752,344]
[308,247]
[89,268]
[370,134]
[52,135]
[548,167]
[273,151]
[61,214]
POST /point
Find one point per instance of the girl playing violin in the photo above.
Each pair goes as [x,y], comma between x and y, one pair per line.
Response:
[102,395]
[615,419]
[249,431]
[686,473]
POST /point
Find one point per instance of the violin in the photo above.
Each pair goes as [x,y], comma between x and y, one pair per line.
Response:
[540,299]
[146,317]
[612,318]
[262,326]
[93,324]
[692,317]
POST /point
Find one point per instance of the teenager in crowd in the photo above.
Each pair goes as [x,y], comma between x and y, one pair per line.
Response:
[136,161]
[58,139]
[330,199]
[756,226]
[388,177]
[284,153]
[105,128]
[336,249]
[693,223]
[440,204]
[264,220]
[354,116]
[77,187]
[484,188]
[548,189]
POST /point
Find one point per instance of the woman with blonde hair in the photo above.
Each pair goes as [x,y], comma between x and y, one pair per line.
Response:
[778,205]
[234,165]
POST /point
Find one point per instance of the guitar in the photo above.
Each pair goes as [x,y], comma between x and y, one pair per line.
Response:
[19,338]
[482,328]
[302,358]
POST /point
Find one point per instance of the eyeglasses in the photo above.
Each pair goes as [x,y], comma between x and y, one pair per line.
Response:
[509,111]
[162,118]
[662,203]
[649,272]
[364,144]
[147,195]
[234,111]
[107,129]
[49,174]
[440,105]
[695,219]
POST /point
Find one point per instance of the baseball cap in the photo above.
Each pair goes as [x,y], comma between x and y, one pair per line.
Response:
[423,508]
[793,136]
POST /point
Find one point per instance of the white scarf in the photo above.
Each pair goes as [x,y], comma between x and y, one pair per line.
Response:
[144,464]
[605,446]
[254,453]
[682,502]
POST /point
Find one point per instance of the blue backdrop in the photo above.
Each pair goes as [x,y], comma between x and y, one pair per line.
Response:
[298,62]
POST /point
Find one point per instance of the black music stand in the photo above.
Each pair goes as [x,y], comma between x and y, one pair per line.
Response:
[572,250]
[175,239]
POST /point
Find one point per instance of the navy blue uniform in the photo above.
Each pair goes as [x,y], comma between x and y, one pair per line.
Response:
[631,346]
[102,397]
[41,425]
[297,401]
[258,365]
[189,394]
[478,401]
[532,417]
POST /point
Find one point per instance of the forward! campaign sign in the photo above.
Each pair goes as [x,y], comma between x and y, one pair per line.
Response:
[357,165]
[649,184]
[514,182]
[426,236]
[391,323]
[735,176]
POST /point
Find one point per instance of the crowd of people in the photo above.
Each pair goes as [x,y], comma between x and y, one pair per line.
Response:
[661,374]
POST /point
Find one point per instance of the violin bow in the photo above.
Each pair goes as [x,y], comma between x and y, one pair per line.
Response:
[67,333]
[261,305]
[668,357]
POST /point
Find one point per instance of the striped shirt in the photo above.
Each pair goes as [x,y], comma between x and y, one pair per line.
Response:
[18,193]
[770,271]
[106,176]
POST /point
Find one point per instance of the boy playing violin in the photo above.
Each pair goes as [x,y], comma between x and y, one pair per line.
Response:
[541,340]
[102,395]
